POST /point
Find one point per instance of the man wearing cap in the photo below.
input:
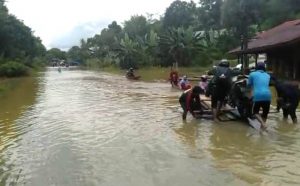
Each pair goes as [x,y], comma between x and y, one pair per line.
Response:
[219,87]
[259,81]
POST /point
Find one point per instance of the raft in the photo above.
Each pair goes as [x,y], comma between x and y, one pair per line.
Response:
[228,113]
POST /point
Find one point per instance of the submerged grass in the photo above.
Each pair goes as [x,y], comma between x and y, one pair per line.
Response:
[7,84]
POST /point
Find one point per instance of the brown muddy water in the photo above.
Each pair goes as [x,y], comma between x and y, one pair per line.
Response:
[94,128]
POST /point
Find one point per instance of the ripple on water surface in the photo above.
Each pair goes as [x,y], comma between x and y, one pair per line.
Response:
[94,128]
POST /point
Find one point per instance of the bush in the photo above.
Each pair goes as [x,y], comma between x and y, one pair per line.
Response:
[13,69]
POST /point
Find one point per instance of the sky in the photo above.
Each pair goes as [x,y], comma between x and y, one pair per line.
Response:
[62,23]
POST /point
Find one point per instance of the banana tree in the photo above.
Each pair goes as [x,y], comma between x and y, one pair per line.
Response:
[182,44]
[127,52]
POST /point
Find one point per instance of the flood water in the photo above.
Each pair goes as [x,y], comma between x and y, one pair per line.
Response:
[94,128]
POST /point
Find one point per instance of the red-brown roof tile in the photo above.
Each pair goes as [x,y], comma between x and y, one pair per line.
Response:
[285,33]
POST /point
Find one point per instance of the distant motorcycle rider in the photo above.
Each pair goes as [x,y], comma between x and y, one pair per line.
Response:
[130,73]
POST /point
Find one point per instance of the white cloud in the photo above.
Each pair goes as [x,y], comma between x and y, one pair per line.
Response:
[53,20]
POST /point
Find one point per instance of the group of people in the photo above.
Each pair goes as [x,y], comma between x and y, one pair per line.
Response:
[258,82]
[183,82]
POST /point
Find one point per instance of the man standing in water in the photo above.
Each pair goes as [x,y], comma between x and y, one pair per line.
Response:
[259,81]
[288,99]
[174,77]
[219,87]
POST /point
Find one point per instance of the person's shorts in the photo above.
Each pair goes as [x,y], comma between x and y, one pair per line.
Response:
[265,105]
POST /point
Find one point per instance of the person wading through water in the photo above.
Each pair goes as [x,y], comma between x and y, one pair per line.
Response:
[190,101]
[219,87]
[259,81]
[173,77]
[287,98]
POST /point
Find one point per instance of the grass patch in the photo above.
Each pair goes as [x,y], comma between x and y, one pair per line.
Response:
[159,73]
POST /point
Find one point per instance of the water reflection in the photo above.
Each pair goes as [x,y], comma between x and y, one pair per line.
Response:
[188,133]
[13,103]
[17,100]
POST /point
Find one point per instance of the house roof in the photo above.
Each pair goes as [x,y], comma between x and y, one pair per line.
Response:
[281,35]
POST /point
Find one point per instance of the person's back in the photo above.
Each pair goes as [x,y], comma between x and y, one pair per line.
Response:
[184,83]
[222,78]
[173,77]
[219,86]
[190,101]
[260,81]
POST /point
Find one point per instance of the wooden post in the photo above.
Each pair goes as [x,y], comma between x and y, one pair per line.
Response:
[294,69]
[256,57]
[242,55]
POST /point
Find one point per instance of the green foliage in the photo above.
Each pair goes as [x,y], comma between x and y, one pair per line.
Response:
[128,52]
[56,53]
[137,26]
[100,63]
[17,44]
[239,15]
[180,14]
[280,11]
[13,69]
[209,14]
[182,44]
[188,33]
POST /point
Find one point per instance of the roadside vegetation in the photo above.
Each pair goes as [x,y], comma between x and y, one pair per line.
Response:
[189,33]
[20,50]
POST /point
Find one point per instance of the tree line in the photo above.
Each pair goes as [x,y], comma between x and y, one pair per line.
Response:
[20,50]
[189,33]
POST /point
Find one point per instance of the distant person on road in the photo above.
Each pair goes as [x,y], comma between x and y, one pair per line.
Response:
[203,84]
[173,77]
[184,83]
[130,73]
[190,101]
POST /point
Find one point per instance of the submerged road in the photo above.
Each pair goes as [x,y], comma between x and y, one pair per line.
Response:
[94,128]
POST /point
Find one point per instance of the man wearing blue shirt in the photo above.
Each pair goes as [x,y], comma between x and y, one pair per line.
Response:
[259,81]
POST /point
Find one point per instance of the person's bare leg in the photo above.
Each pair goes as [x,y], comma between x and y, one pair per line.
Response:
[262,121]
[184,115]
[214,113]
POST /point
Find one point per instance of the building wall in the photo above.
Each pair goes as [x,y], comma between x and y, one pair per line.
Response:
[285,62]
